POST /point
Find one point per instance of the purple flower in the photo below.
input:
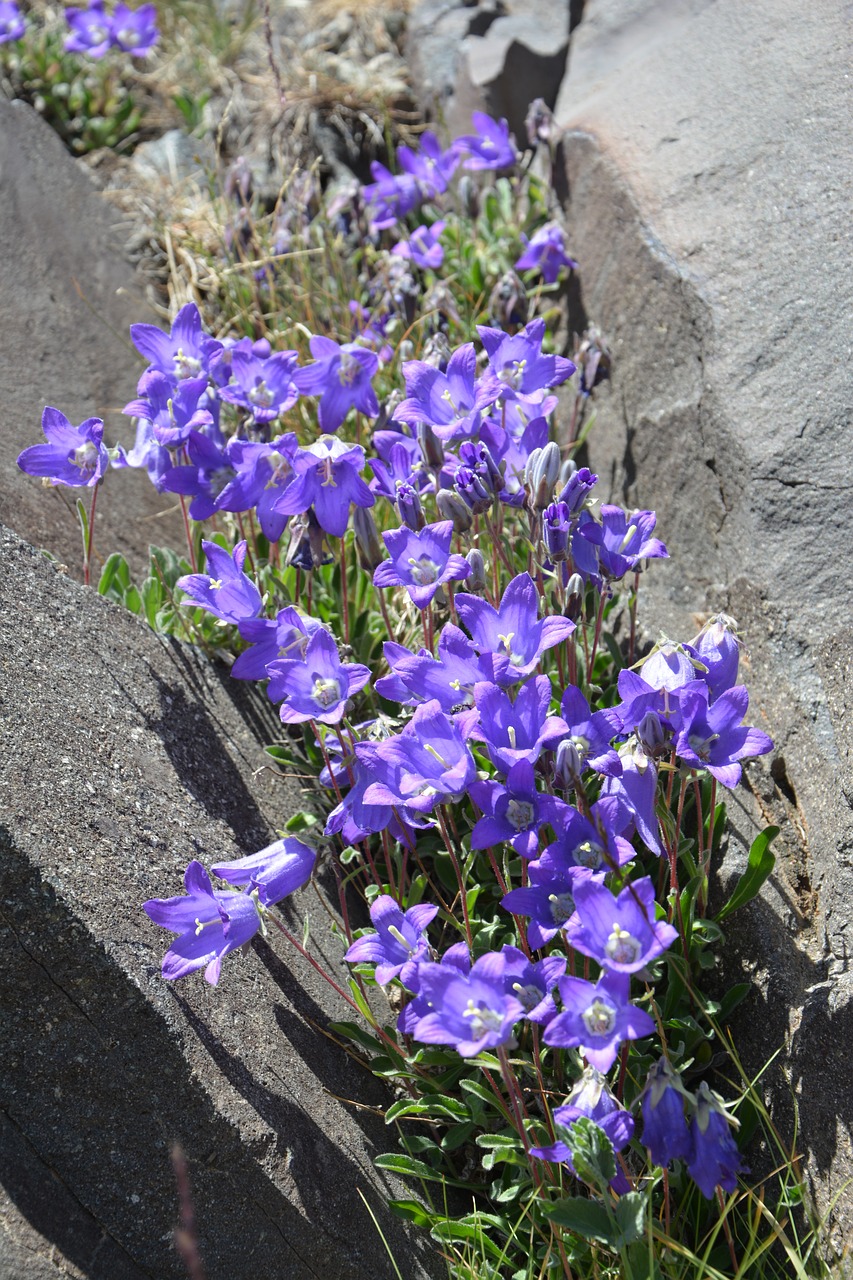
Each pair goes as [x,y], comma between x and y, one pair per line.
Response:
[173,410]
[262,472]
[633,795]
[548,899]
[592,1098]
[231,595]
[531,984]
[430,166]
[515,629]
[456,957]
[589,734]
[317,686]
[468,1012]
[421,561]
[285,636]
[623,540]
[209,923]
[185,352]
[515,812]
[665,1132]
[450,677]
[714,737]
[547,251]
[341,377]
[715,1161]
[620,933]
[597,1018]
[583,843]
[90,31]
[491,147]
[206,474]
[264,387]
[449,402]
[718,648]
[327,480]
[275,872]
[399,942]
[74,456]
[390,197]
[135,30]
[12,25]
[518,362]
[423,246]
[424,765]
[519,730]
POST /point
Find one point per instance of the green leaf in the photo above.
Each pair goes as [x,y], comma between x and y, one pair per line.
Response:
[587,1218]
[411,1211]
[441,1108]
[761,863]
[732,999]
[592,1153]
[108,573]
[407,1167]
[630,1215]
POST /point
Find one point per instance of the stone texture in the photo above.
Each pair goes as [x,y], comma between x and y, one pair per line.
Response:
[708,165]
[493,57]
[68,301]
[125,756]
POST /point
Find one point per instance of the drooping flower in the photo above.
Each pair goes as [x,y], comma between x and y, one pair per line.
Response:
[399,942]
[715,1160]
[718,649]
[275,872]
[421,561]
[665,1131]
[317,686]
[74,456]
[598,1018]
[231,594]
[209,922]
[340,376]
[621,933]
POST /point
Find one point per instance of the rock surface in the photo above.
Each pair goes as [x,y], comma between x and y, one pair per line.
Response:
[495,57]
[124,757]
[68,301]
[708,164]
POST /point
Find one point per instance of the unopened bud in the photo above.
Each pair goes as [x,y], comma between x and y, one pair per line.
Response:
[468,196]
[471,489]
[477,581]
[508,306]
[409,506]
[541,474]
[555,531]
[575,591]
[567,765]
[368,544]
[437,352]
[577,489]
[650,734]
[452,507]
[431,447]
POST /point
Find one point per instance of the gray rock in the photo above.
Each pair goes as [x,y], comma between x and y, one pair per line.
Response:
[708,163]
[495,58]
[68,301]
[124,757]
[176,158]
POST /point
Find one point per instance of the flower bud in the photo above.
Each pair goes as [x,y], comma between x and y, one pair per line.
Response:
[409,506]
[477,581]
[543,467]
[468,196]
[471,489]
[368,544]
[592,358]
[431,447]
[555,531]
[540,124]
[306,544]
[575,592]
[508,306]
[567,765]
[650,734]
[452,507]
[577,489]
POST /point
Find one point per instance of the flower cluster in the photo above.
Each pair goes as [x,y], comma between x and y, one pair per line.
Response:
[94,31]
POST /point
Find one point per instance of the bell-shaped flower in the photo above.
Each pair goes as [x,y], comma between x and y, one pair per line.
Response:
[210,923]
[620,933]
[519,730]
[284,636]
[715,1160]
[515,629]
[275,872]
[328,481]
[424,765]
[531,984]
[468,1012]
[399,942]
[519,365]
[714,737]
[665,1131]
[598,1018]
[340,376]
[262,472]
[231,594]
[547,899]
[174,411]
[264,387]
[134,31]
[591,1097]
[515,812]
[186,352]
[421,561]
[546,250]
[718,649]
[317,686]
[450,402]
[74,456]
[91,32]
[12,25]
[491,147]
